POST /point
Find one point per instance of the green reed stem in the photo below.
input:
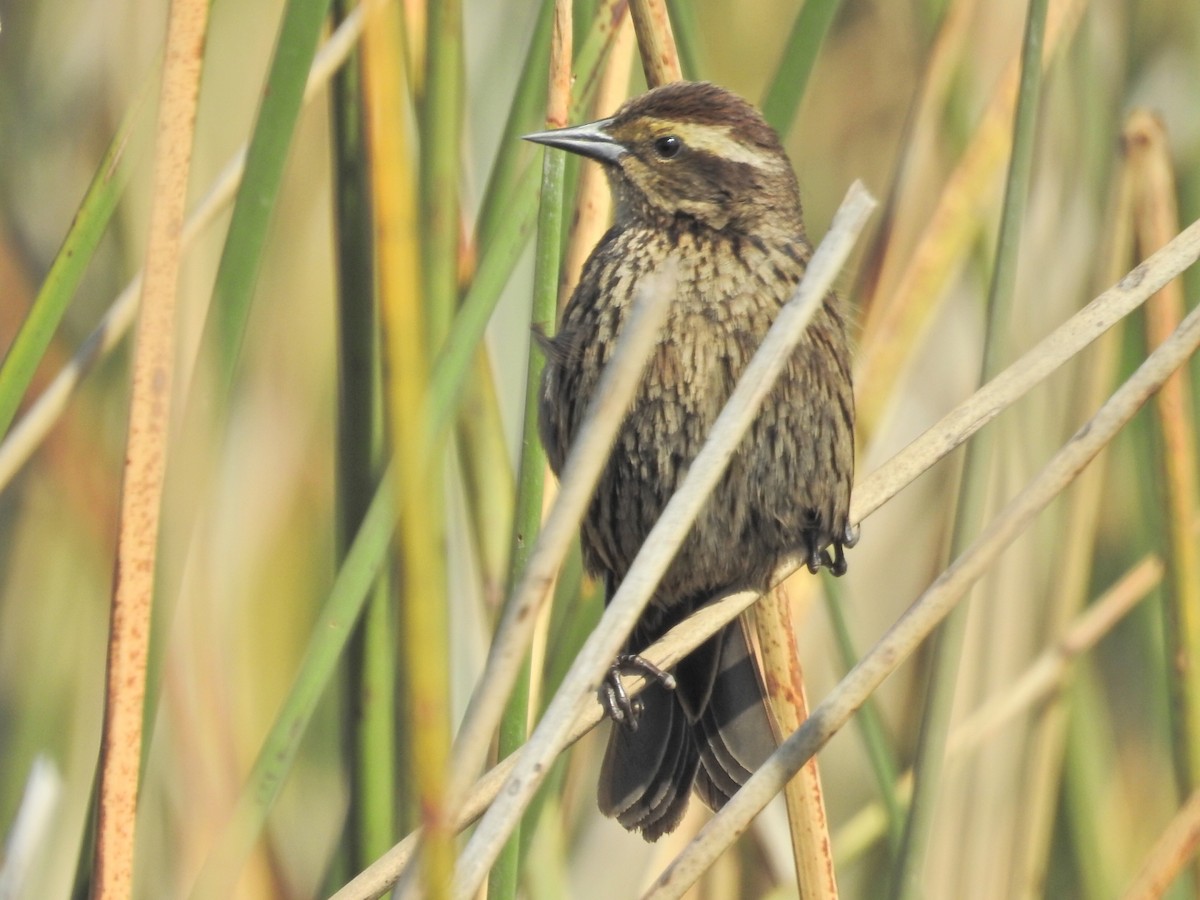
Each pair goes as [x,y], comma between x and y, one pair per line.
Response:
[796,65]
[514,726]
[370,708]
[524,115]
[441,140]
[687,38]
[90,222]
[266,157]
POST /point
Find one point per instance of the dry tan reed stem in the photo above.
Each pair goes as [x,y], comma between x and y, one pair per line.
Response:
[656,42]
[153,381]
[1175,848]
[811,848]
[1156,218]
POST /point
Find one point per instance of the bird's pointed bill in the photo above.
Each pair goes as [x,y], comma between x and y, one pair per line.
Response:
[591,140]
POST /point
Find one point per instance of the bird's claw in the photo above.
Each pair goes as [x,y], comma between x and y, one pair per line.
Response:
[813,560]
[836,565]
[850,535]
[616,700]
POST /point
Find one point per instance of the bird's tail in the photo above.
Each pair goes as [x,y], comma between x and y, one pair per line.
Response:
[712,732]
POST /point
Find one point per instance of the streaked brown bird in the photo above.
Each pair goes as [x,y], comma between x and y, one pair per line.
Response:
[697,174]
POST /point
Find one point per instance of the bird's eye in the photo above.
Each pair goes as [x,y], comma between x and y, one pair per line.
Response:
[668,147]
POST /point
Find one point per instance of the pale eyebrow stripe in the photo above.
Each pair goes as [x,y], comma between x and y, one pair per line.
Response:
[717,140]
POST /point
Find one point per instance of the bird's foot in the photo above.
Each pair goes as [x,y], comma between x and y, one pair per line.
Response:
[613,697]
[818,557]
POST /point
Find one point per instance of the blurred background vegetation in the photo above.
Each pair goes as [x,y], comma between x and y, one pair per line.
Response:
[260,505]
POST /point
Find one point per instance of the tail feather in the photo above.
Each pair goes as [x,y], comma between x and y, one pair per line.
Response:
[668,797]
[647,774]
[663,788]
[734,731]
[707,790]
[712,733]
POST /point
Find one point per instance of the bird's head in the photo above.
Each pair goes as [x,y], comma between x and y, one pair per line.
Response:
[690,148]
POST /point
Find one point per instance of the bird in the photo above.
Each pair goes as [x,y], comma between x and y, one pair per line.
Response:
[698,175]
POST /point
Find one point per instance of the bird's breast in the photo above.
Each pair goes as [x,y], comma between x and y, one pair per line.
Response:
[723,299]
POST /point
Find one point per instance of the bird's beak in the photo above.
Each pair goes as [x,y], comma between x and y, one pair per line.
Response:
[591,140]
